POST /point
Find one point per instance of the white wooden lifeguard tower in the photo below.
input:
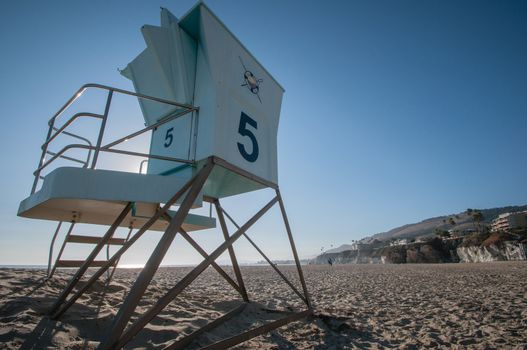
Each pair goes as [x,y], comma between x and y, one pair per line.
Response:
[218,140]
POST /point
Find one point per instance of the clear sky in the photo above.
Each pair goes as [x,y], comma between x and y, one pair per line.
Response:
[394,111]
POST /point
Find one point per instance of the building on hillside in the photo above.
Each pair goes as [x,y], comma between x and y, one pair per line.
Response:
[509,221]
[355,246]
[367,245]
[400,241]
[360,246]
[453,232]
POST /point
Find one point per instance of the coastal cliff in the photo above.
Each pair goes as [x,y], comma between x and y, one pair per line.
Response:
[433,251]
[476,235]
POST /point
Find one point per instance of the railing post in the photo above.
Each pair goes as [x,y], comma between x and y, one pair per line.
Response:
[62,249]
[101,131]
[51,246]
[141,165]
[43,156]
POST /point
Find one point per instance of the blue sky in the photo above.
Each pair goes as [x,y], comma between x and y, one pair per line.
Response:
[394,111]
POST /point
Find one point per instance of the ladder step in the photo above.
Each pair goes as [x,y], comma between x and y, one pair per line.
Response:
[79,263]
[94,240]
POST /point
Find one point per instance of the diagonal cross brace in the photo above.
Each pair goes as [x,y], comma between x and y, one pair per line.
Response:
[265,328]
[183,342]
[146,317]
[234,261]
[289,283]
[204,254]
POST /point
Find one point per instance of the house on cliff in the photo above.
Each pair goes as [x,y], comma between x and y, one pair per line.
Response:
[509,221]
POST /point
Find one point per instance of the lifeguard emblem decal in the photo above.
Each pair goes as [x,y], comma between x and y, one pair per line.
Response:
[252,83]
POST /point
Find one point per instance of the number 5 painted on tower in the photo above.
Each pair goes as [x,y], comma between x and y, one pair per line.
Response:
[169,137]
[242,130]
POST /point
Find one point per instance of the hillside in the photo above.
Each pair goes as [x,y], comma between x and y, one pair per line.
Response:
[342,248]
[426,228]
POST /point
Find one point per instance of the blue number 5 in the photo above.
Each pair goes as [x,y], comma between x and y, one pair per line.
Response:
[242,130]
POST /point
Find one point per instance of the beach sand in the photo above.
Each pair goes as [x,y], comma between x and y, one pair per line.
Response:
[356,306]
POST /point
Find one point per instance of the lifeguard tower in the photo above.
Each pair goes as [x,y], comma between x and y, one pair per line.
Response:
[218,140]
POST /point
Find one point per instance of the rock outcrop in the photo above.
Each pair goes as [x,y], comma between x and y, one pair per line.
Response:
[503,251]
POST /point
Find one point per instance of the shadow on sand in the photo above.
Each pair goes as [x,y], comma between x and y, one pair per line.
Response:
[81,321]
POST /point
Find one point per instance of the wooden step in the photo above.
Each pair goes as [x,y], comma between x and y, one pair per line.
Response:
[79,263]
[94,240]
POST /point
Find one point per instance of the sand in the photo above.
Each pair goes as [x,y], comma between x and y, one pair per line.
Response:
[481,306]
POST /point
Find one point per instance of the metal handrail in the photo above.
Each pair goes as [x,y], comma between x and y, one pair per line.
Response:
[82,139]
[148,128]
[60,130]
[85,164]
[118,151]
[84,87]
[98,147]
[75,136]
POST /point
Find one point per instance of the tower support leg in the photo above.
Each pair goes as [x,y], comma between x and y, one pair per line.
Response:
[143,280]
[293,248]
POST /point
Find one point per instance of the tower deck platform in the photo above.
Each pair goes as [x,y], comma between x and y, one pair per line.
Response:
[98,196]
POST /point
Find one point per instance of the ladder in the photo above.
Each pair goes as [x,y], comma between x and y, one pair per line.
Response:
[72,238]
